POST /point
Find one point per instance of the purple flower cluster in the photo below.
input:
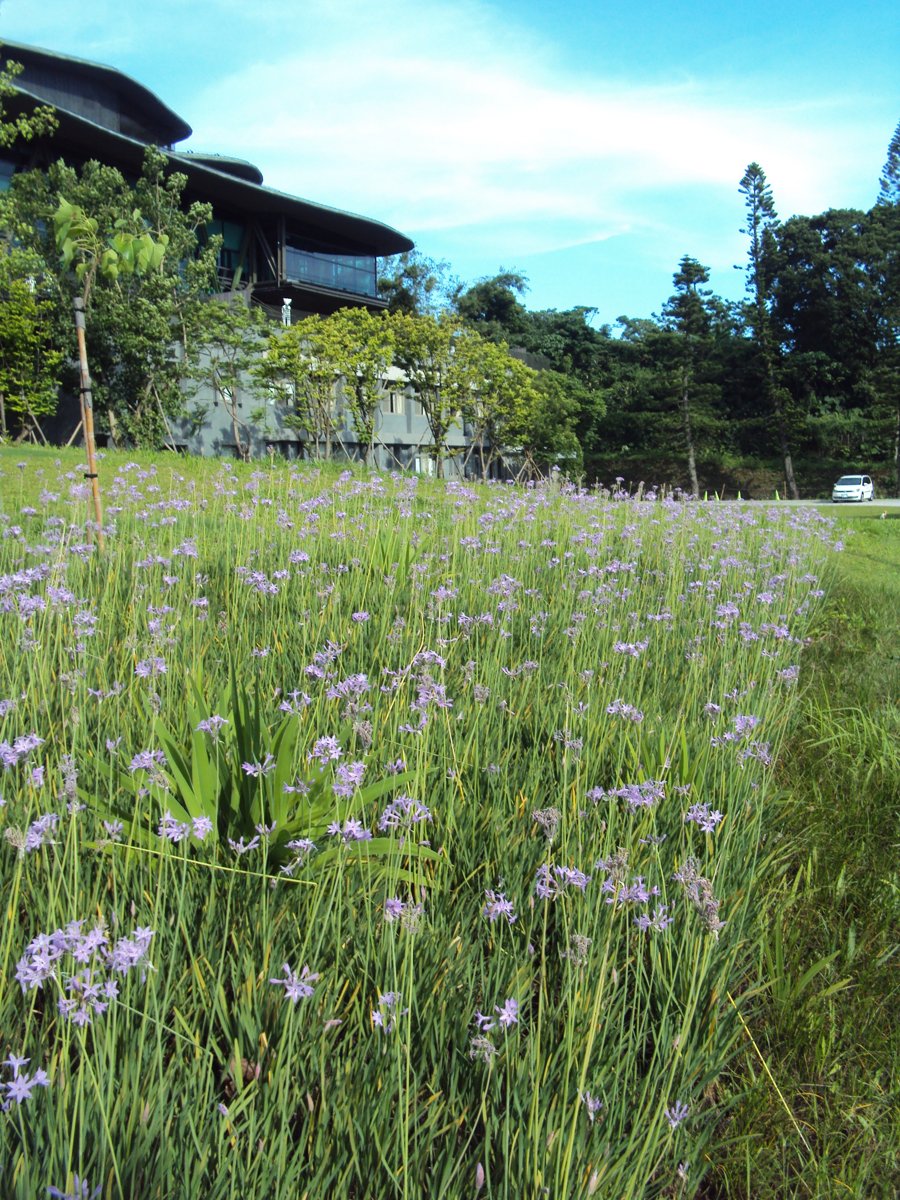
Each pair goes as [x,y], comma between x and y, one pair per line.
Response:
[627,712]
[593,1104]
[83,966]
[388,1012]
[659,922]
[81,1190]
[39,833]
[498,906]
[407,912]
[18,1089]
[551,881]
[172,830]
[636,795]
[351,831]
[507,1015]
[703,816]
[403,813]
[12,753]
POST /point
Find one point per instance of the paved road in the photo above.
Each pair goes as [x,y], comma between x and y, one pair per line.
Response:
[878,505]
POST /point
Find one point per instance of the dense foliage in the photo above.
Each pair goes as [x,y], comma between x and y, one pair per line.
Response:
[805,370]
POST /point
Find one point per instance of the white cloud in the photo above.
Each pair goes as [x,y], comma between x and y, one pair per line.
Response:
[438,117]
[442,117]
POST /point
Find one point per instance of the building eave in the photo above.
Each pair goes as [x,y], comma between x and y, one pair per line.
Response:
[177,129]
[222,189]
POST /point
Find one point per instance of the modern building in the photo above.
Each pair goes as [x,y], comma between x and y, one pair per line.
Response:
[276,245]
[294,256]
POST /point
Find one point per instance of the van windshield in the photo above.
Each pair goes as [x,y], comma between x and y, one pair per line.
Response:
[849,481]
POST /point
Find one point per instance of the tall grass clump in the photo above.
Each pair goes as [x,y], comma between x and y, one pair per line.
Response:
[824,1019]
[371,837]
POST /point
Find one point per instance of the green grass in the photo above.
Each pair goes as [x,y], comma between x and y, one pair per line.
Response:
[826,1023]
[500,633]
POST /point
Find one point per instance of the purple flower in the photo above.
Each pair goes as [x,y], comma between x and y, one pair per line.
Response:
[171,830]
[201,827]
[351,831]
[81,1190]
[151,667]
[212,725]
[498,906]
[148,760]
[676,1114]
[296,987]
[403,813]
[113,830]
[20,1087]
[349,776]
[241,847]
[388,1012]
[551,881]
[257,769]
[703,816]
[508,1014]
[326,750]
[593,1104]
[658,923]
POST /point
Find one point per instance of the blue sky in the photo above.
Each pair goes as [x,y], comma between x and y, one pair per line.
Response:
[587,145]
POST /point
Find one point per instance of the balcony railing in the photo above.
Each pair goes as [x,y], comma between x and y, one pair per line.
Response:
[342,273]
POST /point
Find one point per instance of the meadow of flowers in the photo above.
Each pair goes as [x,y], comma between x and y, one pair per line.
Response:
[365,836]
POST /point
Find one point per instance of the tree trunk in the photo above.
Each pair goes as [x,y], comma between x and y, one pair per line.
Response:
[689,436]
[785,447]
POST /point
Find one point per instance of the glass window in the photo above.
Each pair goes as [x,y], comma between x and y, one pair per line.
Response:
[343,273]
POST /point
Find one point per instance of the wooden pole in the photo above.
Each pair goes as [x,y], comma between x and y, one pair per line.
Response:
[87,417]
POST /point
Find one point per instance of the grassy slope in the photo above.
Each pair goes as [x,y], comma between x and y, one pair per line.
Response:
[826,1022]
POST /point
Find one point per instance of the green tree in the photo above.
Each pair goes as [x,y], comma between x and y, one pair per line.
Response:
[20,118]
[884,267]
[136,318]
[361,345]
[493,308]
[416,285]
[493,391]
[687,317]
[225,339]
[29,362]
[302,363]
[547,421]
[889,184]
[825,318]
[761,226]
[425,348]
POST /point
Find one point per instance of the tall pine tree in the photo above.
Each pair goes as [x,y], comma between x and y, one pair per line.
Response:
[762,222]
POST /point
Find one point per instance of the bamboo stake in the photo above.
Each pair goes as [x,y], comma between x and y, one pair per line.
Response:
[87,417]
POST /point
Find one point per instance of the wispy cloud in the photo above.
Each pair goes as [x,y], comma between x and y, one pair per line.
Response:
[473,130]
[439,117]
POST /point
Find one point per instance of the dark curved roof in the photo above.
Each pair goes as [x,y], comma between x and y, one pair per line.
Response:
[168,125]
[86,140]
[239,167]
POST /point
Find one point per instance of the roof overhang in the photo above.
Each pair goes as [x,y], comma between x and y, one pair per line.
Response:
[92,141]
[177,129]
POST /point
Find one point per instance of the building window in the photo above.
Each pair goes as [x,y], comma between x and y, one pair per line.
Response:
[393,402]
[232,235]
[354,273]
